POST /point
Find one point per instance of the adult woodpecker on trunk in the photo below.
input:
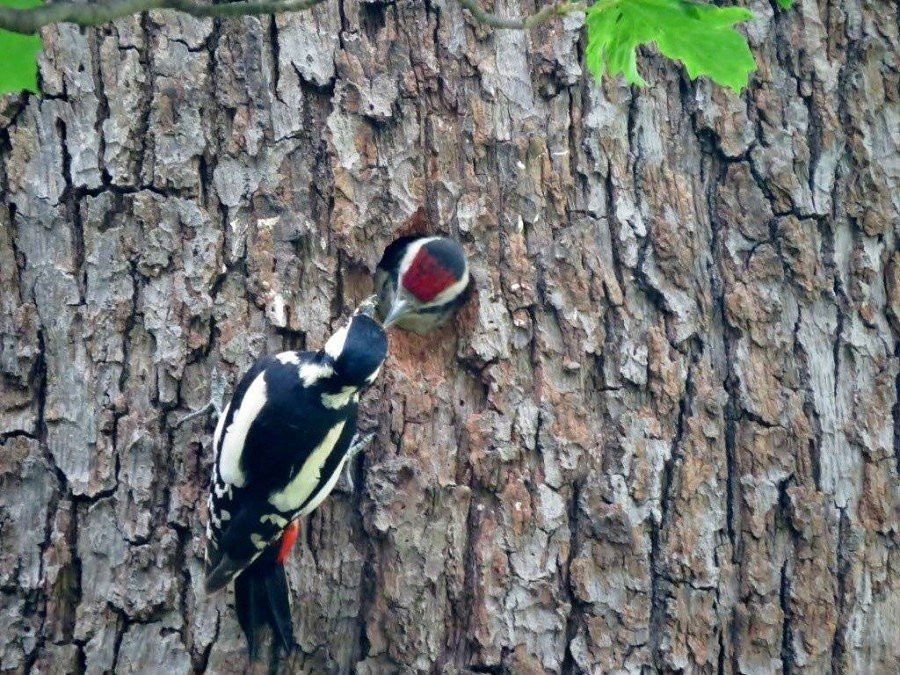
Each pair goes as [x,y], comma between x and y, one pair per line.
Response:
[421,281]
[280,445]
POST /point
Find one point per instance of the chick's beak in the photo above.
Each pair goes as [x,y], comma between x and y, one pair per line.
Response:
[399,309]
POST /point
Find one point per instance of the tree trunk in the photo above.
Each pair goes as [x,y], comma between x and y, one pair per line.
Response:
[663,436]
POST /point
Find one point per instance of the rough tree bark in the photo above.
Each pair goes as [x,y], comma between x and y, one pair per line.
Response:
[663,437]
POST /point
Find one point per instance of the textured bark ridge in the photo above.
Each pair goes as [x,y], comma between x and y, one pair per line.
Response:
[663,437]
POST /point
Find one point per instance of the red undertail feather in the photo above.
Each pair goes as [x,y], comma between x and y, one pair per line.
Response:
[426,276]
[288,539]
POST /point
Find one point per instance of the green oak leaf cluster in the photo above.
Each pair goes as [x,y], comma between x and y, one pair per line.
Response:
[18,55]
[701,36]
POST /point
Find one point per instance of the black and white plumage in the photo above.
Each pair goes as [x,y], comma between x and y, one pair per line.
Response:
[280,445]
[421,281]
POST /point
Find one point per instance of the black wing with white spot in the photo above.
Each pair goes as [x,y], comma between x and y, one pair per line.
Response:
[284,433]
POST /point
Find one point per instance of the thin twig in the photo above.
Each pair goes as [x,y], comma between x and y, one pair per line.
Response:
[527,23]
[34,18]
[205,410]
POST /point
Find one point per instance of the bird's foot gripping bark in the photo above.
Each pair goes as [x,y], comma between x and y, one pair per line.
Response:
[217,397]
[208,408]
[358,444]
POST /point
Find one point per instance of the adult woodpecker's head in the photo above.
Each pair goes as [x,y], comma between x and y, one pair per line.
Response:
[420,282]
[357,350]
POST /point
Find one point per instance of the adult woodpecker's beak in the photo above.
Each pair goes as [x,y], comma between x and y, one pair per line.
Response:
[367,306]
[398,310]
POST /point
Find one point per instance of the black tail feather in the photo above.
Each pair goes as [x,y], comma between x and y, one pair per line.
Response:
[280,606]
[261,598]
[249,604]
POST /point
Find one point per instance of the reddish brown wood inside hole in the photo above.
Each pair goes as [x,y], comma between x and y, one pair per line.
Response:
[417,223]
[467,316]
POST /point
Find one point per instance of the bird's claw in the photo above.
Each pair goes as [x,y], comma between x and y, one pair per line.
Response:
[358,444]
[208,408]
[216,401]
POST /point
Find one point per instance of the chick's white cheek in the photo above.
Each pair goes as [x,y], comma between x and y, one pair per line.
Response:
[451,291]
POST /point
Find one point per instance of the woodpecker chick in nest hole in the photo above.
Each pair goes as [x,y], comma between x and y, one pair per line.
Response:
[421,282]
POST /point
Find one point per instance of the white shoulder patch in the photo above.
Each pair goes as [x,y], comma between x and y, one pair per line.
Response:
[288,358]
[371,378]
[335,344]
[236,433]
[311,373]
[310,475]
[340,399]
[218,434]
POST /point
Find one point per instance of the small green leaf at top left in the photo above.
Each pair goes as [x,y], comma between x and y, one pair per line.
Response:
[18,55]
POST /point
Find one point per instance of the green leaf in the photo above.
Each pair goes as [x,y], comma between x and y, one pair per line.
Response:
[701,36]
[18,55]
[785,4]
